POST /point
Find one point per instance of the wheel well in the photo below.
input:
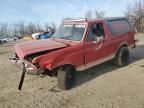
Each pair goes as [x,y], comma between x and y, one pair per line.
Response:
[67,65]
[124,45]
[63,66]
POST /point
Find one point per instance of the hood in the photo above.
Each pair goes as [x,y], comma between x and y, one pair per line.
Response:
[31,47]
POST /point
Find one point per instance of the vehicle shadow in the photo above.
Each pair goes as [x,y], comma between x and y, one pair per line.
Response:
[88,75]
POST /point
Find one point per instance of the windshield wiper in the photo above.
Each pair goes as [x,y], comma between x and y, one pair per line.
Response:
[60,38]
[65,38]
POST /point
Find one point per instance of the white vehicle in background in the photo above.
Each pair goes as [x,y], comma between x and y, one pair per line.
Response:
[4,40]
[36,35]
[43,35]
[10,39]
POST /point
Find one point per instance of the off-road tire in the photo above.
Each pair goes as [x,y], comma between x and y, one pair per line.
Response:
[122,57]
[66,77]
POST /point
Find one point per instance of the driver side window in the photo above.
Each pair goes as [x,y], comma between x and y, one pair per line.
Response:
[96,32]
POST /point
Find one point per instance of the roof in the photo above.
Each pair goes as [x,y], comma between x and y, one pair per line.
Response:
[115,18]
[85,20]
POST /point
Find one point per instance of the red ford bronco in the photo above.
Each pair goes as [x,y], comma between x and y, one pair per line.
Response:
[76,46]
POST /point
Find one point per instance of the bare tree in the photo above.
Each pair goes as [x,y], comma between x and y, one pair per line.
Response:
[31,28]
[38,27]
[99,14]
[21,28]
[135,13]
[4,30]
[67,18]
[88,14]
[53,26]
[46,26]
[15,30]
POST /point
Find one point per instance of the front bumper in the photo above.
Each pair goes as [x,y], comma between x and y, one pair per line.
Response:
[30,68]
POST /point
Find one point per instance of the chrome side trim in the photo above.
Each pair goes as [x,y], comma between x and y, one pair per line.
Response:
[97,62]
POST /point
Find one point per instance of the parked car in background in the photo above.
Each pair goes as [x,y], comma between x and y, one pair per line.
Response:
[35,36]
[44,35]
[9,39]
[4,40]
[1,42]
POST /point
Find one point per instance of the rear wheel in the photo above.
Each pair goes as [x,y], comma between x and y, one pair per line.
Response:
[122,57]
[66,77]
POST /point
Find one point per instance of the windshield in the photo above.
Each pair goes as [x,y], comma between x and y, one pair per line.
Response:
[70,32]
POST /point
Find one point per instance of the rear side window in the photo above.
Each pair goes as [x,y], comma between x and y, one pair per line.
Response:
[119,26]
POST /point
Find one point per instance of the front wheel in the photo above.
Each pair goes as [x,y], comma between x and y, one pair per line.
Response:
[66,77]
[122,57]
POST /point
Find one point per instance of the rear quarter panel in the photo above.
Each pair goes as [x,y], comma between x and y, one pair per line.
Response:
[118,39]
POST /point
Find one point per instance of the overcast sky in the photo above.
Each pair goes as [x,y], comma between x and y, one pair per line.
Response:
[54,10]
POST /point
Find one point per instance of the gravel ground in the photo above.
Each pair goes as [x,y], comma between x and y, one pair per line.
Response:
[104,86]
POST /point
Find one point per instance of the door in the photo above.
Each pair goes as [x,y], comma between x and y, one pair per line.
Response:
[96,47]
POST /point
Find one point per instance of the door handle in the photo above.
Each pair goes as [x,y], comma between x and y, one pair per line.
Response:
[99,46]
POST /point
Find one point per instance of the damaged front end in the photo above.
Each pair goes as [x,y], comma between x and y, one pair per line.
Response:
[30,68]
[28,54]
[26,67]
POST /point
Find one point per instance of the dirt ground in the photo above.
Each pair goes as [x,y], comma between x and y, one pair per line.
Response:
[104,86]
